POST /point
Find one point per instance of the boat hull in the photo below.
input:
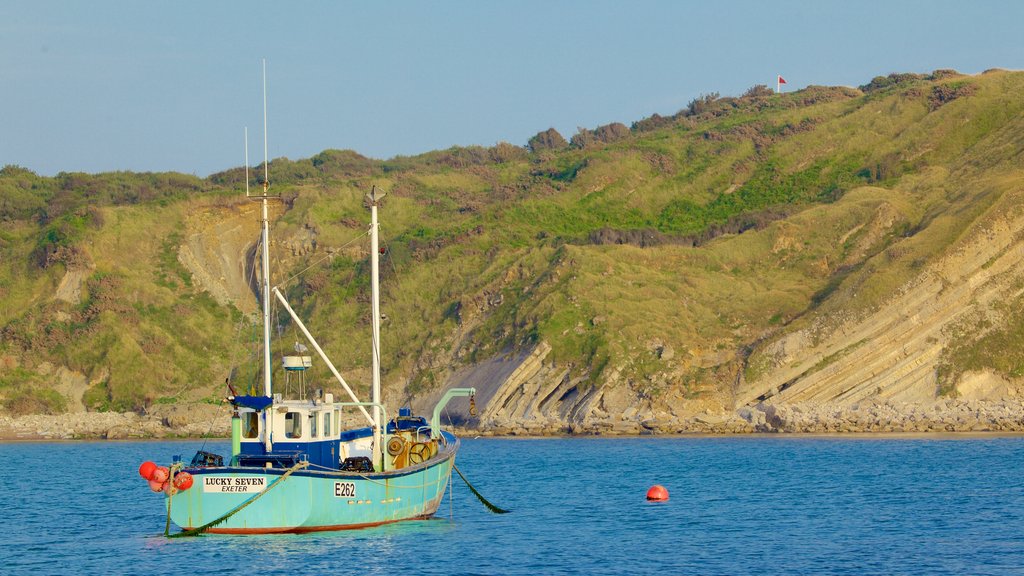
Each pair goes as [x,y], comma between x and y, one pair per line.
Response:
[258,501]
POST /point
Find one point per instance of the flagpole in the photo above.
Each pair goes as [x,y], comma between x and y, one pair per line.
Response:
[778,84]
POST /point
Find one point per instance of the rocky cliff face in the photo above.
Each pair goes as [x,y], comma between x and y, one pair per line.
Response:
[895,353]
[218,250]
[901,356]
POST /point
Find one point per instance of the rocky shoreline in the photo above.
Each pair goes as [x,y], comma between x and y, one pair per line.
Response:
[945,415]
[180,421]
[941,416]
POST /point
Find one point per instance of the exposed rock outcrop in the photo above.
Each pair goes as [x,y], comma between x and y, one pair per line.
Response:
[893,353]
[215,248]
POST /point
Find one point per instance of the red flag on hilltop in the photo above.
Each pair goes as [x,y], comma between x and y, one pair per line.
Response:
[782,80]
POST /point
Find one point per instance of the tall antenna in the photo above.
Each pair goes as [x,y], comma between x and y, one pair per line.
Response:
[246,161]
[265,246]
[266,159]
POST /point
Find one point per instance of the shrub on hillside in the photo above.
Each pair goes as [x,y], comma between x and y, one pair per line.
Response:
[702,104]
[549,139]
[463,156]
[611,132]
[343,162]
[894,79]
[33,401]
[812,95]
[583,138]
[503,152]
[601,135]
[758,91]
[653,122]
[22,193]
[945,93]
[944,73]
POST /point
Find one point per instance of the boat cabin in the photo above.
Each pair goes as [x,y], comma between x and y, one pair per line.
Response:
[310,430]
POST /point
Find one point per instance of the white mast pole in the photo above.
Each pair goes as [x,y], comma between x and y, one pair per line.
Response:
[375,286]
[267,388]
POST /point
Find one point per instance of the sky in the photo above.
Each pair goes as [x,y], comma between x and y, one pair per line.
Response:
[103,85]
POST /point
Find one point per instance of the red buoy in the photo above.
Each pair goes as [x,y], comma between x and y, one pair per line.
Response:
[182,481]
[146,470]
[156,486]
[160,474]
[657,493]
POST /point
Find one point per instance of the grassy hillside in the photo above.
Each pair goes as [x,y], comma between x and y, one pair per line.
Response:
[658,257]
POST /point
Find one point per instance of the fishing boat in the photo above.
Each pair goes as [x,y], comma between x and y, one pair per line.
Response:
[292,467]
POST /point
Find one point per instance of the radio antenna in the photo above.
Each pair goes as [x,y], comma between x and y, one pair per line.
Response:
[246,161]
[266,159]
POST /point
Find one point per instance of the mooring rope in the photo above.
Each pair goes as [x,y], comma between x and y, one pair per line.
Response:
[480,496]
[342,474]
[232,512]
[170,494]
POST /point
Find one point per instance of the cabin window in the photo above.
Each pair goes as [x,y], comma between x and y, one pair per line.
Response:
[293,425]
[337,422]
[327,423]
[312,425]
[250,425]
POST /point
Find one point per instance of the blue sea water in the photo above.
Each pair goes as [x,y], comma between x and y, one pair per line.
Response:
[748,505]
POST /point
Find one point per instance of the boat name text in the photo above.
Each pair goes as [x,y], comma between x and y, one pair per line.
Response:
[233,484]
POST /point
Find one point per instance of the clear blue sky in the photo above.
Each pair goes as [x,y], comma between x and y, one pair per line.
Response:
[95,85]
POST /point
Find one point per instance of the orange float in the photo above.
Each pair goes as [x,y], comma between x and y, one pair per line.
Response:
[657,493]
[160,474]
[146,469]
[182,481]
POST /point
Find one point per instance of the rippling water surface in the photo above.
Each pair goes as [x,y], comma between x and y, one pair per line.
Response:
[738,506]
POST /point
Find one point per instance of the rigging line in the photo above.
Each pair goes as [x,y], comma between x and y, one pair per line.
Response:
[252,267]
[239,346]
[329,254]
[253,339]
[387,248]
[209,431]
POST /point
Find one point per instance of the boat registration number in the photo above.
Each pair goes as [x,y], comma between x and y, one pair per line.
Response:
[345,489]
[233,484]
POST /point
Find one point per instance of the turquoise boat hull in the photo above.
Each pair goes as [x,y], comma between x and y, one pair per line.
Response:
[277,500]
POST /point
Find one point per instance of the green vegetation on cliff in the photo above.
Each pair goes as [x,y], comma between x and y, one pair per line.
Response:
[657,257]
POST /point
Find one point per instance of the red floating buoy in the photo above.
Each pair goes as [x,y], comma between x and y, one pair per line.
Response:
[160,474]
[156,486]
[657,493]
[182,481]
[146,470]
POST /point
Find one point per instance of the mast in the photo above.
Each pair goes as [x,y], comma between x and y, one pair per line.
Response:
[267,390]
[265,258]
[375,196]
